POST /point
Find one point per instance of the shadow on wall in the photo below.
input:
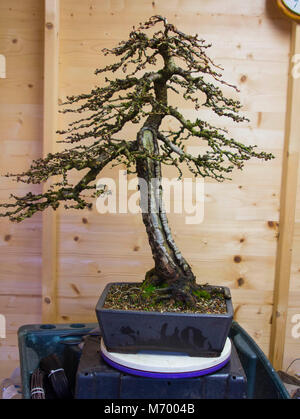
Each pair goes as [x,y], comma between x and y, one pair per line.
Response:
[277,18]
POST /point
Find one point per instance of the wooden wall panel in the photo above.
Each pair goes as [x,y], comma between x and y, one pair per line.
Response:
[287,210]
[21,41]
[50,107]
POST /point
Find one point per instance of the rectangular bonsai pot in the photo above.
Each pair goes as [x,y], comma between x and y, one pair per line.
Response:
[128,331]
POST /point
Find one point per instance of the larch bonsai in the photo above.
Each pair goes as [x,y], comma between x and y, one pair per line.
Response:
[141,97]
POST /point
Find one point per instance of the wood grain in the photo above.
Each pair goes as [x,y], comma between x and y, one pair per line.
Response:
[21,117]
[51,80]
[287,212]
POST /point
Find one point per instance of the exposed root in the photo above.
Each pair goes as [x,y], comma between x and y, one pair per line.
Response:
[179,289]
[151,278]
[183,290]
[212,290]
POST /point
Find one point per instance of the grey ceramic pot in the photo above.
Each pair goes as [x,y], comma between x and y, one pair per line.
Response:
[129,331]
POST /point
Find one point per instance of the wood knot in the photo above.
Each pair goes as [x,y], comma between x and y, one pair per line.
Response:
[259,119]
[240,282]
[7,237]
[273,224]
[66,318]
[237,259]
[75,289]
[49,25]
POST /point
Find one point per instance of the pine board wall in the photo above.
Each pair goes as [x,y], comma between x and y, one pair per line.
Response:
[236,243]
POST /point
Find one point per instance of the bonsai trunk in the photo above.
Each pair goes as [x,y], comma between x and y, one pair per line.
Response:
[171,272]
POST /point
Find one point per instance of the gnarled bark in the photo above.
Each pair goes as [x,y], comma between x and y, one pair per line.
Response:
[171,269]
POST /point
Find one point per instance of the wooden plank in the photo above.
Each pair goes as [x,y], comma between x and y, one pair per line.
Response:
[49,251]
[287,211]
[21,41]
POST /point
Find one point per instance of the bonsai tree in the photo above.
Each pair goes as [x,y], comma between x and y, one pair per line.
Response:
[141,97]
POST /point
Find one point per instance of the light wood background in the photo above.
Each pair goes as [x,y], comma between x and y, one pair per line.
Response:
[236,243]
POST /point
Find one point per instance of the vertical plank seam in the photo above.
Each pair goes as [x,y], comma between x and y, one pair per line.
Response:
[287,213]
[49,239]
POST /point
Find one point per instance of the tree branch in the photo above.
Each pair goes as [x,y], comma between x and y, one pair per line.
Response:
[27,205]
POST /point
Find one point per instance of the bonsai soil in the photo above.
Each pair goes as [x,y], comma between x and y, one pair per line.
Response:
[137,297]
